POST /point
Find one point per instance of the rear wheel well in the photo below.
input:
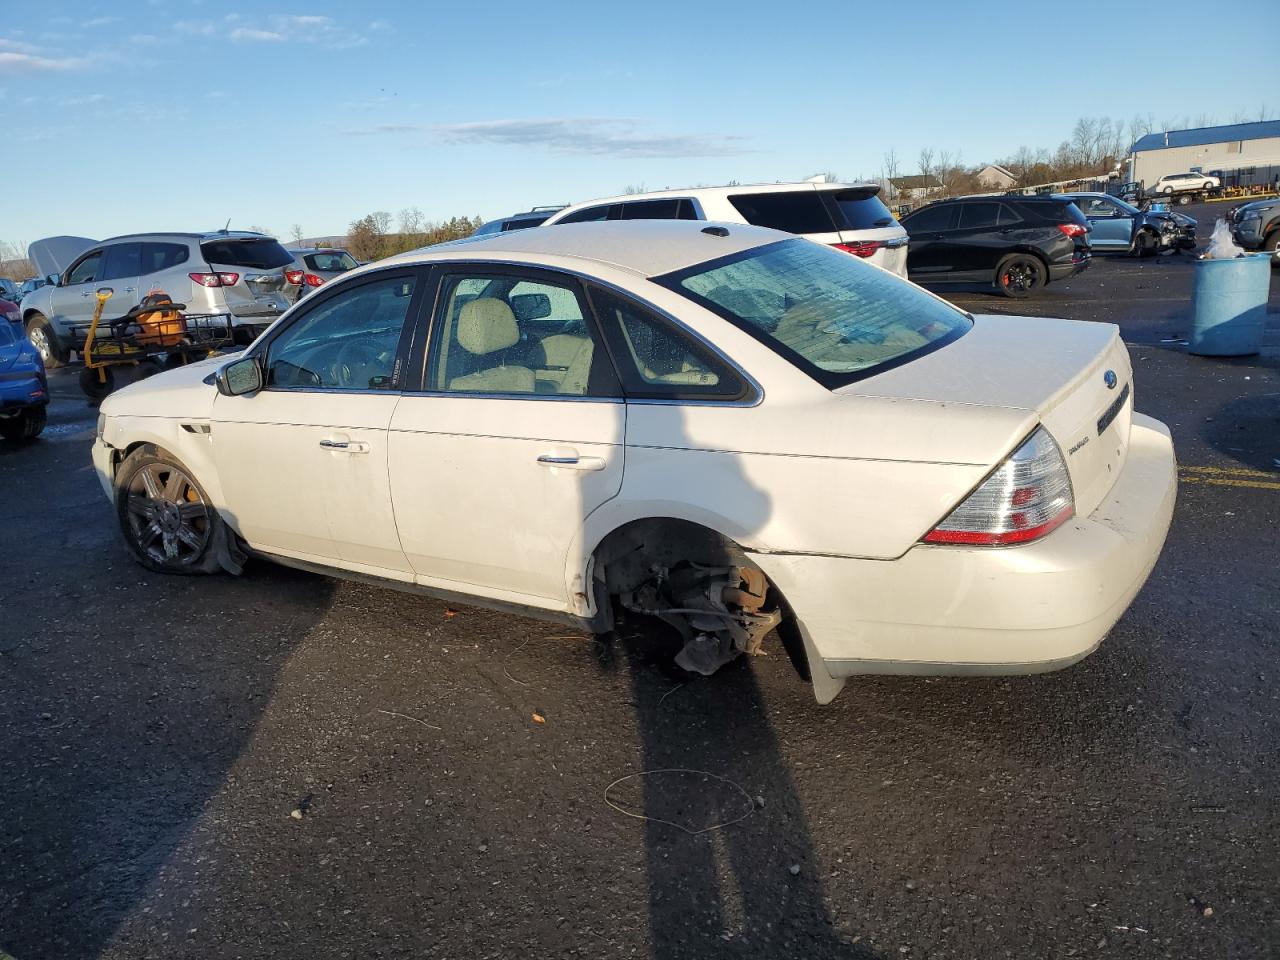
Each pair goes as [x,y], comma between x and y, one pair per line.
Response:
[671,564]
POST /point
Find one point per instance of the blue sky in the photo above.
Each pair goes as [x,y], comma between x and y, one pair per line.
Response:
[180,114]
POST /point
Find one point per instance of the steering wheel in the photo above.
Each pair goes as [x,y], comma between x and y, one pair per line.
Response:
[354,359]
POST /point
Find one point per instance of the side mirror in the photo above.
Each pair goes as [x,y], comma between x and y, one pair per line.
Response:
[53,279]
[239,377]
[531,306]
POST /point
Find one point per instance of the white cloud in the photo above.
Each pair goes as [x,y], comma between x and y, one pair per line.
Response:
[596,136]
[248,35]
[12,62]
[203,28]
[98,22]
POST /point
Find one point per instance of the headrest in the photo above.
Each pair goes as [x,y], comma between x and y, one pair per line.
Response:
[487,325]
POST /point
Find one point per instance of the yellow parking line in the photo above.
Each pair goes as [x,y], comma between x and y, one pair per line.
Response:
[1229,471]
[1229,482]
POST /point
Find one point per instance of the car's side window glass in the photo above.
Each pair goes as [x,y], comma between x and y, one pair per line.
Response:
[930,219]
[510,334]
[589,215]
[652,209]
[976,215]
[121,260]
[162,256]
[1098,208]
[86,271]
[1008,215]
[656,359]
[347,342]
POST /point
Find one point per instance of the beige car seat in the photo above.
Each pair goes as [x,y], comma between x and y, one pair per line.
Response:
[566,364]
[487,326]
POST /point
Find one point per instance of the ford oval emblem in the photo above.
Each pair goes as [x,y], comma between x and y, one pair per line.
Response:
[1109,378]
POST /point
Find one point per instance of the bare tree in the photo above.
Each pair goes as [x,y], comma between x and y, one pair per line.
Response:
[411,220]
[633,188]
[296,234]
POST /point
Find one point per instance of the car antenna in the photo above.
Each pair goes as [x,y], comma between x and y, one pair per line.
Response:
[226,228]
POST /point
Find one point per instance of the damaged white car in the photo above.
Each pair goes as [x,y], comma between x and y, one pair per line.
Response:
[742,432]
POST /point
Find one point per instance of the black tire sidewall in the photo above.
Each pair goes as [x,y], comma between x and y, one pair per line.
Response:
[1012,259]
[148,454]
[26,426]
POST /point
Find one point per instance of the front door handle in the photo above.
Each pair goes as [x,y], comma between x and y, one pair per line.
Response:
[572,462]
[345,446]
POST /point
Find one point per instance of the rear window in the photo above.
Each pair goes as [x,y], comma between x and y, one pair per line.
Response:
[862,210]
[795,211]
[332,262]
[835,317]
[256,254]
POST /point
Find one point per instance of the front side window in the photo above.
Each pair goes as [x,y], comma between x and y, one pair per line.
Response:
[86,271]
[516,335]
[658,361]
[835,317]
[1096,208]
[931,219]
[346,342]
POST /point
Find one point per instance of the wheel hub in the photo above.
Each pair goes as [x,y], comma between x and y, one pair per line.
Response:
[168,517]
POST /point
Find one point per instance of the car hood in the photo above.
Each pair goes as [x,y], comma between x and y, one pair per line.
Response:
[181,392]
[54,254]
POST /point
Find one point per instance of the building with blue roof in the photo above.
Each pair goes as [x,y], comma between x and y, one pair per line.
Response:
[1244,153]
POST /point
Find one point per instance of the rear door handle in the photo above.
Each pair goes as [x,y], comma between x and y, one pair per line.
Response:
[573,462]
[345,446]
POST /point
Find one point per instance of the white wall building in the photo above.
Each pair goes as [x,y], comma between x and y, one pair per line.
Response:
[1234,149]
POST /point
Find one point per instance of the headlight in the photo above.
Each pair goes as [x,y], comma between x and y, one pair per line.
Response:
[1252,215]
[102,425]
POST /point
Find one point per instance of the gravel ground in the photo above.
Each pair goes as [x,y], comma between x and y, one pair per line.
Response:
[283,765]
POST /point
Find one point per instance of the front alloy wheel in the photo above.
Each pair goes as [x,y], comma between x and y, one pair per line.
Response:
[164,515]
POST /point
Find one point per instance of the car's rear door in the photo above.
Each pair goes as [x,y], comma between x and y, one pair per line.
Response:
[976,244]
[514,438]
[303,462]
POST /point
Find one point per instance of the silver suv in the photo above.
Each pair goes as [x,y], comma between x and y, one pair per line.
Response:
[232,273]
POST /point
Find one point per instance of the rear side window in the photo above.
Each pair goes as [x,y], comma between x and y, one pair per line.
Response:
[938,217]
[121,260]
[862,210]
[667,209]
[589,215]
[658,361]
[162,256]
[1008,215]
[976,215]
[795,211]
[256,254]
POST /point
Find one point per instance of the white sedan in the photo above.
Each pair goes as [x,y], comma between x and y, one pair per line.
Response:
[741,432]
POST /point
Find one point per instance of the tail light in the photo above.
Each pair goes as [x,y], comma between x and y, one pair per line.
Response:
[313,280]
[1027,496]
[860,248]
[215,279]
[1073,230]
[294,277]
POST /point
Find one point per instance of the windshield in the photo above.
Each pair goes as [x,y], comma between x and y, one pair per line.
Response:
[837,318]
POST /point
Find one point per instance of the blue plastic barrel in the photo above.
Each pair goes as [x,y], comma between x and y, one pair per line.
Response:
[1230,306]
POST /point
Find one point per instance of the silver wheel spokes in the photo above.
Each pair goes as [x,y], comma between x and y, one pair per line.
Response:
[167,516]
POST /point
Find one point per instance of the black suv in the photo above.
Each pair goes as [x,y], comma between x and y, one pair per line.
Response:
[1018,244]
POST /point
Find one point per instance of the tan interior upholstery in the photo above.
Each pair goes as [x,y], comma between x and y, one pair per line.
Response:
[566,363]
[487,326]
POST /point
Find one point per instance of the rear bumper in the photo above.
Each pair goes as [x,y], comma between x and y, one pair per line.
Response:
[18,395]
[1077,264]
[959,611]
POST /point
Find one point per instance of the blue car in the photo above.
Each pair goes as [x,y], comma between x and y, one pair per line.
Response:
[1120,227]
[24,389]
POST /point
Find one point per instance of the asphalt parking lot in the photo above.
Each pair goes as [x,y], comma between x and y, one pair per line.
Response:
[284,765]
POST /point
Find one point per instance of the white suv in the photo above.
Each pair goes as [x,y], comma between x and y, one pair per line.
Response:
[1185,182]
[850,217]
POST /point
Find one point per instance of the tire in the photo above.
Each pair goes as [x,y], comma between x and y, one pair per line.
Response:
[26,426]
[93,387]
[45,339]
[165,516]
[1183,200]
[1271,242]
[1020,275]
[1144,244]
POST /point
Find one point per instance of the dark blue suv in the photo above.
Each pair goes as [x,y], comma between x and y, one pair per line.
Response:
[24,389]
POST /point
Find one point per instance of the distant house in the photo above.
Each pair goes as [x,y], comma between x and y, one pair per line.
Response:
[915,187]
[996,177]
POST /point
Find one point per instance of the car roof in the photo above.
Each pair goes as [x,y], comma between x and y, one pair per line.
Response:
[178,235]
[721,192]
[645,247]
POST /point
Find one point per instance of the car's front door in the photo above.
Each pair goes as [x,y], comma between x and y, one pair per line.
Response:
[303,462]
[1112,224]
[73,300]
[514,439]
[928,230]
[121,269]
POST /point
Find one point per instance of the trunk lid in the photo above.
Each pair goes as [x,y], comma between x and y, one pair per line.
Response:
[1055,369]
[259,263]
